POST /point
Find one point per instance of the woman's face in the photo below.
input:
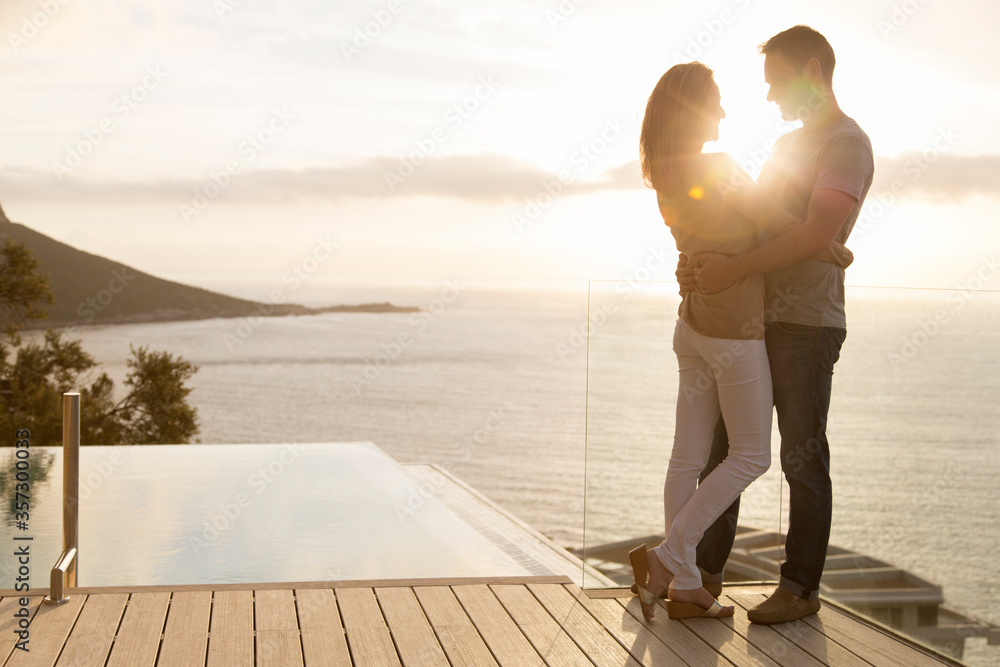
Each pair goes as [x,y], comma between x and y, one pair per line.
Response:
[713,113]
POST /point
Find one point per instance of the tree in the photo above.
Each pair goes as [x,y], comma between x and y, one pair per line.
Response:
[23,291]
[154,409]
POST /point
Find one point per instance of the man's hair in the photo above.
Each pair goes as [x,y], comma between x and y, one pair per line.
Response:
[800,43]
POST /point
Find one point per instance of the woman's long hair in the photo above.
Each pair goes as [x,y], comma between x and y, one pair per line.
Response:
[673,123]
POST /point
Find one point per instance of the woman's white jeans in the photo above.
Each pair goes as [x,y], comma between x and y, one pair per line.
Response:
[716,375]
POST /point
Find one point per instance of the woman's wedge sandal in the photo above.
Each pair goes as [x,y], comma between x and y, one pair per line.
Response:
[688,610]
[714,589]
[640,572]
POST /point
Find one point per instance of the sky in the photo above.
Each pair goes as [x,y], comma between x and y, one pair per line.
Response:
[368,145]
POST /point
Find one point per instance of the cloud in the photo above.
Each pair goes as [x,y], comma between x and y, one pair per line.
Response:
[416,65]
[937,176]
[486,178]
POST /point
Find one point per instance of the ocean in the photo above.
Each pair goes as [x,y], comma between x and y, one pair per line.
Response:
[559,404]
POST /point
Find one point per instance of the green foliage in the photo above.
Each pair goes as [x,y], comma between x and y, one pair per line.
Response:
[153,411]
[23,292]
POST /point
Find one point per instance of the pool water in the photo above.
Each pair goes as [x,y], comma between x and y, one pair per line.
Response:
[197,514]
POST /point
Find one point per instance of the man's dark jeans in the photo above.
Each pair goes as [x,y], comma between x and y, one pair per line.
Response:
[801,359]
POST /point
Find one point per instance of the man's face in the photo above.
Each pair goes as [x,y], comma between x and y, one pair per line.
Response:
[789,89]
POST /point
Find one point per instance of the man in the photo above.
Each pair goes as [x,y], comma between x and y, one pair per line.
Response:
[820,172]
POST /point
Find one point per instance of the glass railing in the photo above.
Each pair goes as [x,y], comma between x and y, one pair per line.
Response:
[913,431]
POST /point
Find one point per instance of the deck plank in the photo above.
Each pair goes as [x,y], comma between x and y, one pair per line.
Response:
[547,636]
[277,629]
[138,639]
[90,641]
[230,639]
[595,640]
[687,645]
[415,639]
[508,645]
[800,637]
[459,638]
[324,643]
[8,623]
[185,638]
[633,634]
[877,647]
[474,623]
[50,627]
[367,634]
[722,635]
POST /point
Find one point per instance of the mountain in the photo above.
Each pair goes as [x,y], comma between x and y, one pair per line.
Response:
[90,289]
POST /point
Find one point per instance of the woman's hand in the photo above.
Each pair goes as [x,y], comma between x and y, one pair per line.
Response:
[685,276]
[713,272]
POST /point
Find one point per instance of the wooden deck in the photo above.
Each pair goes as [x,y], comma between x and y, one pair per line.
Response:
[527,621]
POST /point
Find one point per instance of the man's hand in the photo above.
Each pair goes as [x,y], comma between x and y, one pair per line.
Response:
[713,272]
[685,275]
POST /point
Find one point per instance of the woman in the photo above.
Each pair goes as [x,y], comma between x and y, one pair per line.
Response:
[710,205]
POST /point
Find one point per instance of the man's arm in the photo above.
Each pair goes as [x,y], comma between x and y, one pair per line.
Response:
[828,209]
[749,199]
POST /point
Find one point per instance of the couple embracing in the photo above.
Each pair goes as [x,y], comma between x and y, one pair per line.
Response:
[761,322]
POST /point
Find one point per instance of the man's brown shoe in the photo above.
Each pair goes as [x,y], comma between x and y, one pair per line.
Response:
[782,607]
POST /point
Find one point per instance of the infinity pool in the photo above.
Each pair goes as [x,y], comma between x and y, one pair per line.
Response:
[193,514]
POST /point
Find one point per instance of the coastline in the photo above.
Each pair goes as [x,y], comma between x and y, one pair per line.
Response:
[160,316]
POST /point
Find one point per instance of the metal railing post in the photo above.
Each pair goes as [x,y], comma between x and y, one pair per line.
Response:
[64,571]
